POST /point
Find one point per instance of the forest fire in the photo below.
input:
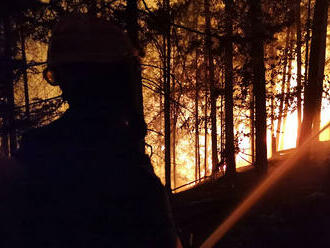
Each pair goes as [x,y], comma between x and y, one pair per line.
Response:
[281,78]
[203,88]
[284,84]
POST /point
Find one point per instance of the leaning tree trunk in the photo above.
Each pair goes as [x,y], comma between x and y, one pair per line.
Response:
[229,103]
[210,78]
[314,87]
[259,84]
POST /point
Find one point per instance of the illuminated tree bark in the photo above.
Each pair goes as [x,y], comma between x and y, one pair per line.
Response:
[314,87]
[259,86]
[229,103]
[210,78]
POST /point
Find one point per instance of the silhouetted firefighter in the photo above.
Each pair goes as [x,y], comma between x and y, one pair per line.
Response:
[86,181]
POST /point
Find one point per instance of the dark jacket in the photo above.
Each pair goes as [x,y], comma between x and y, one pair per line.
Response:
[86,185]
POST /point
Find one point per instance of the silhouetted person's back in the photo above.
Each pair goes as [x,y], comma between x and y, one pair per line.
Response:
[86,182]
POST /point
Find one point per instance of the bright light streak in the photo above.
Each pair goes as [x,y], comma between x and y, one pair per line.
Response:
[259,192]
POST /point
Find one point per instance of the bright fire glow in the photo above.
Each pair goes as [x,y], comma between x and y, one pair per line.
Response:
[185,140]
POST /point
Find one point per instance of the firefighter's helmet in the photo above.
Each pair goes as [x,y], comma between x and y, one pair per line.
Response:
[86,39]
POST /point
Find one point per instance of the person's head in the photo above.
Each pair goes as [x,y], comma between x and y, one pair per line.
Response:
[91,59]
[94,63]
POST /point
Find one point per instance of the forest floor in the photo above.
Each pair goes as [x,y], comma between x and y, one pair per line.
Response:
[295,212]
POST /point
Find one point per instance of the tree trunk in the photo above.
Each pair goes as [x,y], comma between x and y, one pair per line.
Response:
[205,130]
[25,77]
[167,106]
[10,89]
[229,103]
[280,111]
[288,85]
[197,152]
[197,89]
[259,85]
[272,132]
[173,147]
[222,138]
[272,103]
[252,125]
[299,63]
[174,120]
[313,89]
[308,24]
[210,78]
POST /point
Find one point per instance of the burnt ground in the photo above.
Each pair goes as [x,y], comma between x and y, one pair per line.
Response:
[294,213]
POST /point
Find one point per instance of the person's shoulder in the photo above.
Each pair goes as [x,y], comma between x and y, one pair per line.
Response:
[37,139]
[45,132]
